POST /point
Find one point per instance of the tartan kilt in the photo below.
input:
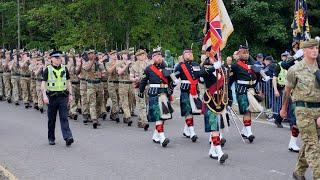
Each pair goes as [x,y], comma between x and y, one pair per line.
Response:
[185,105]
[154,113]
[243,103]
[211,120]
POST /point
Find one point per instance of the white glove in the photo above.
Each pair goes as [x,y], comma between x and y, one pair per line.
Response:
[298,54]
[217,65]
[176,81]
[266,78]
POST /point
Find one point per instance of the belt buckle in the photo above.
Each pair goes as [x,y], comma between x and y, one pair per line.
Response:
[161,85]
[250,82]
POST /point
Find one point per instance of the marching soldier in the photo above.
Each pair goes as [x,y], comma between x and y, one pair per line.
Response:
[25,77]
[33,81]
[105,83]
[215,102]
[104,88]
[244,75]
[136,74]
[95,71]
[113,85]
[83,90]
[303,80]
[38,71]
[74,68]
[122,69]
[189,73]
[160,88]
[15,77]
[7,77]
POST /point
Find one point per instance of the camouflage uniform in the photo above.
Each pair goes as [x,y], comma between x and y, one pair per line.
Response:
[136,71]
[38,70]
[305,96]
[74,70]
[105,98]
[113,86]
[33,81]
[83,95]
[94,94]
[25,76]
[124,88]
[7,78]
[15,77]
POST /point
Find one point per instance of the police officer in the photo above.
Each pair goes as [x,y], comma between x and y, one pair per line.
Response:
[305,88]
[57,91]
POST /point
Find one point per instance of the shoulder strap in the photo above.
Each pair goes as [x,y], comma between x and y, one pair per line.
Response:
[159,74]
[193,87]
[244,66]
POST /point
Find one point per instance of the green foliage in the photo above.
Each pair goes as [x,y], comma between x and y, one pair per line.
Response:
[175,25]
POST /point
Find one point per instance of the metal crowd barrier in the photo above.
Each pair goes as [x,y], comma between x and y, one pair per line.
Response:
[271,103]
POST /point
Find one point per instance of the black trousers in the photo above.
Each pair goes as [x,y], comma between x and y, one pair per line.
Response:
[58,104]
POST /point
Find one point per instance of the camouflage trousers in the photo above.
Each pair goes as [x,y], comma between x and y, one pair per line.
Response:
[94,97]
[142,107]
[309,155]
[15,88]
[7,85]
[124,91]
[33,91]
[25,89]
[76,99]
[84,100]
[113,94]
[132,98]
[39,94]
[105,98]
[1,85]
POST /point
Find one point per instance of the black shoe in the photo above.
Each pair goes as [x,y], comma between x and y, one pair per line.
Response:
[69,141]
[1,98]
[85,122]
[9,100]
[51,142]
[108,108]
[213,157]
[278,123]
[297,177]
[114,118]
[104,116]
[95,125]
[26,106]
[165,142]
[157,142]
[184,134]
[223,158]
[79,111]
[146,127]
[293,150]
[223,142]
[130,123]
[36,107]
[194,138]
[41,110]
[251,138]
[16,103]
[133,115]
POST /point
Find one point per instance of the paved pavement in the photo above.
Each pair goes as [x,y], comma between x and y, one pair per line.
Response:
[115,151]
